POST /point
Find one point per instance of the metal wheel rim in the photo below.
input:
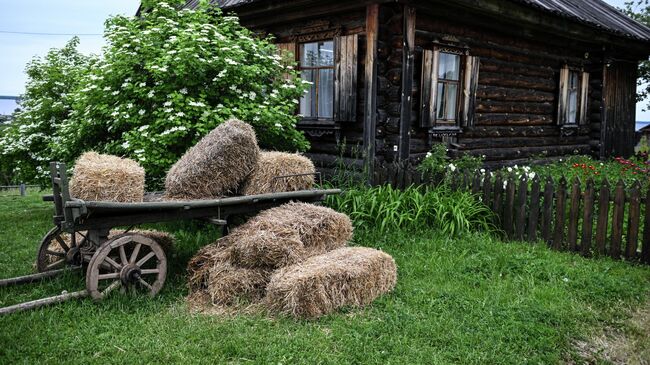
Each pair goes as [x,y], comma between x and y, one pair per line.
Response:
[107,267]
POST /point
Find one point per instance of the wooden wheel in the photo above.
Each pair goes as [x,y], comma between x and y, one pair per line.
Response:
[128,261]
[58,250]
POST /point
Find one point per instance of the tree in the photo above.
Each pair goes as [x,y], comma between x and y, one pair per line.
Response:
[640,11]
[166,79]
[26,144]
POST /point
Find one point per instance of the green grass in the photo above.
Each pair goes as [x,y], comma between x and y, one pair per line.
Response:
[468,300]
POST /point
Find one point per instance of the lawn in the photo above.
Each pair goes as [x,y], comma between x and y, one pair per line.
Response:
[466,300]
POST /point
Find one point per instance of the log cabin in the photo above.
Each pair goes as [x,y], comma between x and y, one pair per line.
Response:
[510,80]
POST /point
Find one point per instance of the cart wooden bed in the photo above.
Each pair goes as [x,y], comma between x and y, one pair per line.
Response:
[130,261]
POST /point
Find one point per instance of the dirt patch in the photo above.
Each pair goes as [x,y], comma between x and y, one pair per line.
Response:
[627,345]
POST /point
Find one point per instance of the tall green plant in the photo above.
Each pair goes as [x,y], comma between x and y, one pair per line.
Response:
[387,209]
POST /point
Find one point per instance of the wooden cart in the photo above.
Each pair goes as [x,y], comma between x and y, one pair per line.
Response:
[130,261]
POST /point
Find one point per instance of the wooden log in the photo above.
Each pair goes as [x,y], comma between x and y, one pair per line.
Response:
[510,142]
[547,220]
[513,95]
[634,217]
[509,207]
[520,219]
[645,249]
[574,216]
[560,206]
[587,219]
[513,119]
[515,81]
[489,106]
[43,302]
[617,221]
[533,216]
[481,132]
[603,218]
[507,67]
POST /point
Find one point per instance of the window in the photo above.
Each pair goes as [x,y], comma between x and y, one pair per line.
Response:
[317,67]
[574,92]
[449,84]
[448,88]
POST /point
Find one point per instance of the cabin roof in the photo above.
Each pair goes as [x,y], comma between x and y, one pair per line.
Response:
[594,13]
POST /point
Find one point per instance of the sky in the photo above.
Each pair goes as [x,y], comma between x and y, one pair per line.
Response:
[70,17]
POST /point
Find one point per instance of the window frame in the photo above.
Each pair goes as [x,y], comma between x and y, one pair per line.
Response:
[564,97]
[450,123]
[299,46]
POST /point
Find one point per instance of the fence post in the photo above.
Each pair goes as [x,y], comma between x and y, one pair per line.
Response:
[560,206]
[574,214]
[547,221]
[509,207]
[588,219]
[522,198]
[533,217]
[645,249]
[617,220]
[23,189]
[633,222]
[603,218]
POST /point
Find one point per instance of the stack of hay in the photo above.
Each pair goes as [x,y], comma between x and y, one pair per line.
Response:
[293,260]
[228,161]
[100,177]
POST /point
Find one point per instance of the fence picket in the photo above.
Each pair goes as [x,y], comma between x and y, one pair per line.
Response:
[634,217]
[533,215]
[520,219]
[547,221]
[574,215]
[617,221]
[560,207]
[509,207]
[487,190]
[498,196]
[587,219]
[476,183]
[603,218]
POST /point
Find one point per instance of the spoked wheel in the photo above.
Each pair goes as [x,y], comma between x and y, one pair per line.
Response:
[59,250]
[128,262]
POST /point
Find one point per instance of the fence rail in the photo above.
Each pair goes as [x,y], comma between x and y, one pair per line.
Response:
[592,219]
[22,188]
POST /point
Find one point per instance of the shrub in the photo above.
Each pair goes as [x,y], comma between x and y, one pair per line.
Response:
[387,209]
[166,79]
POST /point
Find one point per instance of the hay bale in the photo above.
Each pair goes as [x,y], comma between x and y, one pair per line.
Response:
[351,276]
[289,234]
[107,178]
[217,165]
[274,164]
[211,273]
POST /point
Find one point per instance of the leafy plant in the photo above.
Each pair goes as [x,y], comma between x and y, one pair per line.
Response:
[165,79]
[388,209]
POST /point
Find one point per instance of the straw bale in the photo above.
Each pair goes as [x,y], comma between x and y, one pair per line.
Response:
[351,276]
[289,234]
[107,178]
[217,165]
[211,273]
[271,165]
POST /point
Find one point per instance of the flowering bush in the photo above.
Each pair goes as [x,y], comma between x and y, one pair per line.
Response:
[165,80]
[26,144]
[437,163]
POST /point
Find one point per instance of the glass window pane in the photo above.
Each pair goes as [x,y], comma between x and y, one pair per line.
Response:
[440,101]
[309,54]
[326,52]
[449,66]
[326,94]
[308,101]
[573,80]
[573,107]
[317,54]
[447,101]
[452,97]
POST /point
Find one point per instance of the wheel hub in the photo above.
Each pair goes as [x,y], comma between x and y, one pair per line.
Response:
[130,274]
[73,256]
